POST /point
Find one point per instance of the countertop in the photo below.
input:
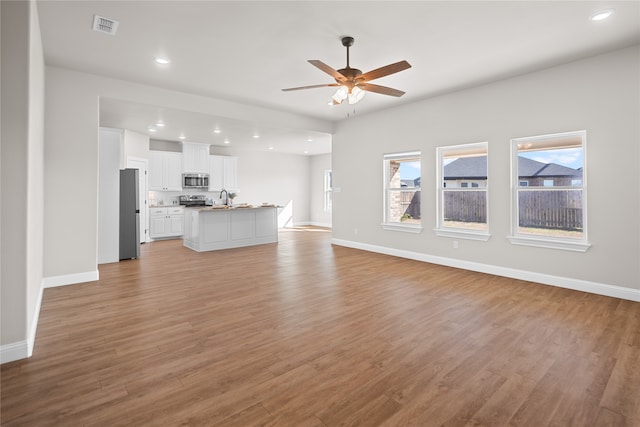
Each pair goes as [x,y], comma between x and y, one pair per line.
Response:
[226,208]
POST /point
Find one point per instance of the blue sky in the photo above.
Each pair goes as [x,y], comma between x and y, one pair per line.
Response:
[409,170]
[570,157]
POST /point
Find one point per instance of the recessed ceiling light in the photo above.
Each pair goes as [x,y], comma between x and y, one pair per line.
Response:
[256,136]
[603,14]
[270,148]
[306,151]
[309,139]
[162,61]
[182,137]
[152,129]
[160,124]
[216,130]
[226,141]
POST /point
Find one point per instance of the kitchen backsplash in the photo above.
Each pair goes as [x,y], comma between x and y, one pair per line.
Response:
[169,198]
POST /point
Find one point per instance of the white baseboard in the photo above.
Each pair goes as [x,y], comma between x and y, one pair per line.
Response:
[546,279]
[34,322]
[14,351]
[321,224]
[23,349]
[70,279]
[309,223]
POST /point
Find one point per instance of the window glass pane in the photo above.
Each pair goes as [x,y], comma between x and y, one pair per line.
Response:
[404,206]
[550,167]
[550,213]
[465,209]
[404,173]
[464,172]
[327,190]
[550,179]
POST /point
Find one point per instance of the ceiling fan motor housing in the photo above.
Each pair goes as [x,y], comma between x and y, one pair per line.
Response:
[347,41]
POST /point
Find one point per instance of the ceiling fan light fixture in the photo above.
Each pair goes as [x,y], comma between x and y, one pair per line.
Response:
[341,94]
[356,95]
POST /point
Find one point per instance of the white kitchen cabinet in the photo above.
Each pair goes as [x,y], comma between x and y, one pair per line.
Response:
[195,157]
[223,173]
[166,222]
[231,173]
[165,171]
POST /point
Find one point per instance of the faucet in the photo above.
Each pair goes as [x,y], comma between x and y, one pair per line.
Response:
[226,196]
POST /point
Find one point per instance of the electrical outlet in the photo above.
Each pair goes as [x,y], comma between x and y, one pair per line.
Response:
[355,231]
[455,244]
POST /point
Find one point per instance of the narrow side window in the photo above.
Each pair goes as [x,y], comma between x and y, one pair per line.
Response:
[402,176]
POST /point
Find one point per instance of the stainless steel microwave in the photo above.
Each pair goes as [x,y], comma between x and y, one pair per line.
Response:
[195,180]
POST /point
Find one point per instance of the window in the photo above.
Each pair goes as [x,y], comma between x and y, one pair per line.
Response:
[328,187]
[462,191]
[402,192]
[551,210]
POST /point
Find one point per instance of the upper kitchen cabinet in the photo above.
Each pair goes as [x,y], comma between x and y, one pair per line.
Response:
[195,157]
[165,171]
[223,173]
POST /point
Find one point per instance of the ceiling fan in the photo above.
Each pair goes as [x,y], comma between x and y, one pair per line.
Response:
[351,82]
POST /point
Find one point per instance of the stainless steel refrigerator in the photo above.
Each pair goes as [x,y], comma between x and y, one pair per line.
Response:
[129,214]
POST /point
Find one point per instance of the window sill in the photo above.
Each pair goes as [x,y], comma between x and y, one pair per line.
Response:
[566,245]
[407,228]
[462,234]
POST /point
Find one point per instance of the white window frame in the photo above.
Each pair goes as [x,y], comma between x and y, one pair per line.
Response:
[328,191]
[393,225]
[536,240]
[441,229]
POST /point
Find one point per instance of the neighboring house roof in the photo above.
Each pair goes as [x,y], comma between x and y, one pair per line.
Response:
[410,182]
[531,168]
[467,168]
[476,168]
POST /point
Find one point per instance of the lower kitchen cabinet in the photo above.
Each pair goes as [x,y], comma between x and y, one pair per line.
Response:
[209,229]
[166,222]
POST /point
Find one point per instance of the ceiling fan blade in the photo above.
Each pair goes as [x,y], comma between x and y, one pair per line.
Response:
[309,87]
[380,89]
[327,69]
[384,71]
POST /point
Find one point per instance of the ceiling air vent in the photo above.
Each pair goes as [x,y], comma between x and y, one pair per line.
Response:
[104,25]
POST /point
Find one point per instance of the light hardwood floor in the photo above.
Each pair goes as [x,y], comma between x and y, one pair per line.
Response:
[302,333]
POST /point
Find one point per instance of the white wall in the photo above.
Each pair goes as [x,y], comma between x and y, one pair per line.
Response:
[21,152]
[276,178]
[273,177]
[134,144]
[600,95]
[109,195]
[319,164]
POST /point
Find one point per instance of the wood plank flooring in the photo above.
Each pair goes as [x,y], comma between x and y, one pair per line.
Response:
[303,333]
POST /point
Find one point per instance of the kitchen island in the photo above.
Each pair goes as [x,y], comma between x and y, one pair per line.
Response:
[213,228]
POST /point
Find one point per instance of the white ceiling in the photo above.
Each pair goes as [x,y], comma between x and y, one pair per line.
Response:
[247,51]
